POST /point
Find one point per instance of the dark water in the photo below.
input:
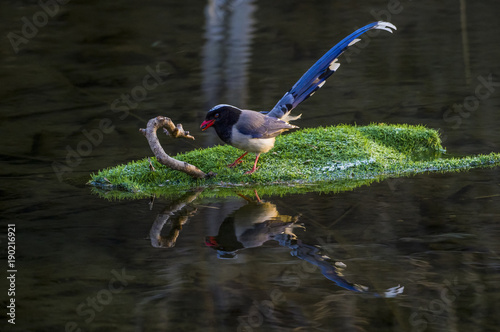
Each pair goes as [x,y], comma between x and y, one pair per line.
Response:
[87,264]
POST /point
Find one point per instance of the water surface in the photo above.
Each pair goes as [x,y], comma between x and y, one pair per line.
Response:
[87,263]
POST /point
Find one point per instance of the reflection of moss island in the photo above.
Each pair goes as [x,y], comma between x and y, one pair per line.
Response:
[319,159]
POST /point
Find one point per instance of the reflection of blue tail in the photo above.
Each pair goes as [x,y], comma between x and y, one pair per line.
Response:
[316,76]
[334,275]
[312,255]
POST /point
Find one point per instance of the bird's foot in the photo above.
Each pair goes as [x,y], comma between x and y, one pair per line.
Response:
[237,162]
[252,170]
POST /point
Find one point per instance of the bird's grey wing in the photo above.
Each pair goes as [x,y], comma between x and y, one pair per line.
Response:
[258,125]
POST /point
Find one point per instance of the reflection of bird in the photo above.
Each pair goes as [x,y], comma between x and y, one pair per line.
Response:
[256,132]
[258,222]
[250,226]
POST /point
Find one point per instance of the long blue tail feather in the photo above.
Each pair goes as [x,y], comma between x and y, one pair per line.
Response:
[316,76]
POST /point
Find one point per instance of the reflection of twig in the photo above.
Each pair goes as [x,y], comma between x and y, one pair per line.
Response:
[151,202]
[169,240]
[161,156]
[159,241]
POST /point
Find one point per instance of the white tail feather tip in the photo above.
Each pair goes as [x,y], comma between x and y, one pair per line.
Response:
[385,26]
[354,41]
[334,65]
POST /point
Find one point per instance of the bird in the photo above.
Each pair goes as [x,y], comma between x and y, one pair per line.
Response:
[253,131]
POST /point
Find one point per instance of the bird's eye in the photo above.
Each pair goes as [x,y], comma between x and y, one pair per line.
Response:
[216,115]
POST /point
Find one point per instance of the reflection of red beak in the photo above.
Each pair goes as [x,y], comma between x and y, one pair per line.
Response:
[207,124]
[210,241]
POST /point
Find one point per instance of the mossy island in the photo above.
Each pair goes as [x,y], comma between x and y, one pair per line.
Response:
[324,159]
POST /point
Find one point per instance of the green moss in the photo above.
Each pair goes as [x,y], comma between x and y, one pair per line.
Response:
[320,159]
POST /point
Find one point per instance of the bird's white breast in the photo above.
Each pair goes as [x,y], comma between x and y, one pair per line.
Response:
[247,143]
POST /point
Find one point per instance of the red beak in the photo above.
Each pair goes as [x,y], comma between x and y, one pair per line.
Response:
[207,124]
[210,241]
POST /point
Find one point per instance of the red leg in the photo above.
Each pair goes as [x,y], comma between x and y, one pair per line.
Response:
[237,161]
[257,196]
[254,168]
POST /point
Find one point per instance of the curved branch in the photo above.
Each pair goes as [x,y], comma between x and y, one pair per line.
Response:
[160,154]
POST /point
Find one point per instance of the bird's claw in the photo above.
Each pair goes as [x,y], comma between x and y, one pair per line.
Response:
[237,162]
[251,171]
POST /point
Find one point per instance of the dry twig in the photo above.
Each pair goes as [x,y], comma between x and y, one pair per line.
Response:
[160,154]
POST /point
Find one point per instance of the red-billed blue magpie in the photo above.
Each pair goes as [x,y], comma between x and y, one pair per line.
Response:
[256,132]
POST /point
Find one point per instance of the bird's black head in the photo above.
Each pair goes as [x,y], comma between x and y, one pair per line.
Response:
[221,117]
